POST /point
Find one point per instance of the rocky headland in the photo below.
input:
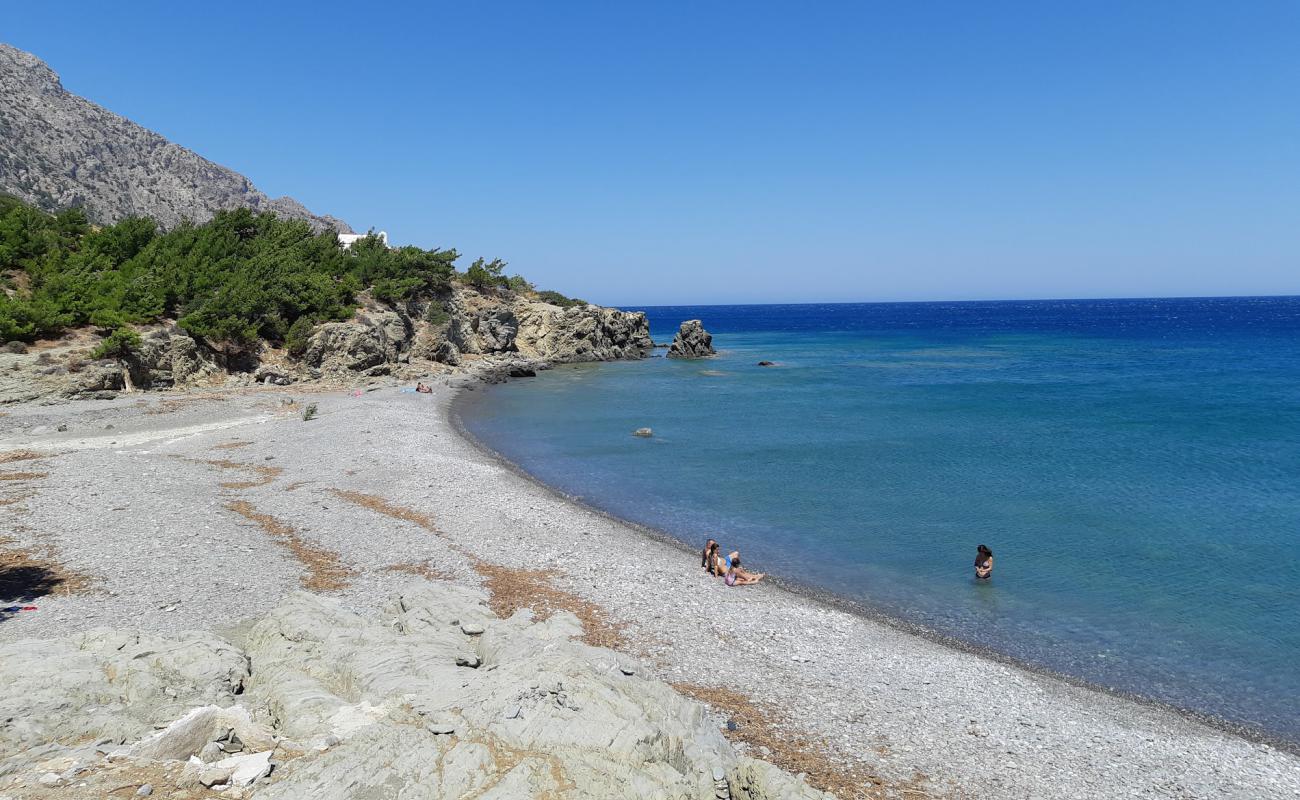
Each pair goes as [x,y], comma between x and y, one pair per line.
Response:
[471,335]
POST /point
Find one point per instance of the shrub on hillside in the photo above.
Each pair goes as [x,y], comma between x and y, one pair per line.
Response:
[119,344]
[240,277]
[485,274]
[557,299]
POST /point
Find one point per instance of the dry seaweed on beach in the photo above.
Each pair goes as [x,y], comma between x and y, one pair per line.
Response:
[511,588]
[326,571]
[22,476]
[382,506]
[11,499]
[266,474]
[19,455]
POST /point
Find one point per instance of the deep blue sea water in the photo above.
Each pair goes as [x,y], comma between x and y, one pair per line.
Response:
[1133,464]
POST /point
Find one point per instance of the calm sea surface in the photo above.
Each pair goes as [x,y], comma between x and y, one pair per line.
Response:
[1133,464]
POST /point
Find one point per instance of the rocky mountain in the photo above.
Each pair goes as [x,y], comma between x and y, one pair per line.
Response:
[58,150]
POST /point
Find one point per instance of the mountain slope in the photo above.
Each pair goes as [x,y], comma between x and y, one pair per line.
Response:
[59,150]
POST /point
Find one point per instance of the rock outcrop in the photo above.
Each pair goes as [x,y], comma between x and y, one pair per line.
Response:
[58,150]
[375,338]
[170,357]
[482,337]
[489,324]
[691,341]
[434,698]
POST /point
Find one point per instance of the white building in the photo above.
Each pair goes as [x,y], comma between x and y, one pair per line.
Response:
[346,239]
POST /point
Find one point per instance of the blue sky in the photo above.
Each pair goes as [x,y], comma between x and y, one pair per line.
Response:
[641,153]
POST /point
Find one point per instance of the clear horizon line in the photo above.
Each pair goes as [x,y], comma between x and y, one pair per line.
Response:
[968,300]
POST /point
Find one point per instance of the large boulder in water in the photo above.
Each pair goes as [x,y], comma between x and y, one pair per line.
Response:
[692,341]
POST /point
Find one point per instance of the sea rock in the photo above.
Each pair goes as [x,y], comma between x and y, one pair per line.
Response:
[691,341]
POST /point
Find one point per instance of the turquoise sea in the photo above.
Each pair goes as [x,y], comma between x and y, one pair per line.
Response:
[1133,464]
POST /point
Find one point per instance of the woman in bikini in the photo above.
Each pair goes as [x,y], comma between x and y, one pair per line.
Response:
[983,563]
[738,575]
[710,559]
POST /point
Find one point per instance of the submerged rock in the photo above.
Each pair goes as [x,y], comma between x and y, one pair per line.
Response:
[692,341]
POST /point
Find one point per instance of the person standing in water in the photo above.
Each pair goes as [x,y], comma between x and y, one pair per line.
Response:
[983,563]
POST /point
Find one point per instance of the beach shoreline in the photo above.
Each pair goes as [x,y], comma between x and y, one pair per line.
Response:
[806,593]
[926,718]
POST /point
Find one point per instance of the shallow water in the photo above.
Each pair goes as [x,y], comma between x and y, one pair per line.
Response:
[1134,465]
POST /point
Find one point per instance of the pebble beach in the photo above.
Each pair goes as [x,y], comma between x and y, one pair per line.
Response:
[201,511]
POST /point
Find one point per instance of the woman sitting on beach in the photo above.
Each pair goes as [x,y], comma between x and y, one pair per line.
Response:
[710,559]
[738,575]
[422,389]
[983,563]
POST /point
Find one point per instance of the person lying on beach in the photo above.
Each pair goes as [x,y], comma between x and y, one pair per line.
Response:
[983,563]
[738,575]
[422,389]
[710,559]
